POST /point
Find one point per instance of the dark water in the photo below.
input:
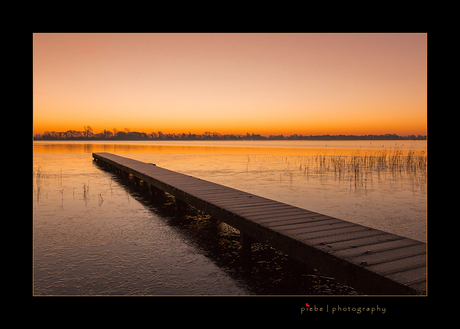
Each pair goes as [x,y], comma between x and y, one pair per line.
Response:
[97,234]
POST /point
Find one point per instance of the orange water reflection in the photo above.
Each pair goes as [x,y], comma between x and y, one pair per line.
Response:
[380,187]
[230,148]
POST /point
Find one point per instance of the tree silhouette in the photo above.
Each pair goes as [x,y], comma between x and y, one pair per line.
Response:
[88,130]
[127,134]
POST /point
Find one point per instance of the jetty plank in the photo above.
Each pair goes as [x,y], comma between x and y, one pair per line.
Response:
[371,260]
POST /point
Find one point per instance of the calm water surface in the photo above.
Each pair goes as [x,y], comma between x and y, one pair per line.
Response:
[94,233]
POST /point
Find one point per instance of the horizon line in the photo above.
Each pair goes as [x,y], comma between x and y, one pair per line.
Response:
[129,131]
[127,134]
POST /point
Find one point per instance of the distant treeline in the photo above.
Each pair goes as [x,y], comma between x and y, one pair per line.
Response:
[127,134]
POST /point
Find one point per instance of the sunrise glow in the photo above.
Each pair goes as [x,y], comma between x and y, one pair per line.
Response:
[308,84]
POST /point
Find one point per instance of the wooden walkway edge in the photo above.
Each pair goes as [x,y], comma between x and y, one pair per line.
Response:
[370,260]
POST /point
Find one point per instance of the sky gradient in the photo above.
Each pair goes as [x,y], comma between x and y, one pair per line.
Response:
[309,84]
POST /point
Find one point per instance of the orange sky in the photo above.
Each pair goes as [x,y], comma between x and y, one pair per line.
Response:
[309,84]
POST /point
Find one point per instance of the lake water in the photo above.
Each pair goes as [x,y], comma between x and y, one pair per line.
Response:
[94,233]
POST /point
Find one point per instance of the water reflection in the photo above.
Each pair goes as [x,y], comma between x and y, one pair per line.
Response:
[80,209]
[230,147]
[381,187]
[344,163]
[92,236]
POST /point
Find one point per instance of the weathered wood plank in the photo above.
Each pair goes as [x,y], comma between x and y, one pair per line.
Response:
[320,227]
[247,203]
[277,224]
[295,225]
[331,232]
[399,265]
[415,277]
[343,237]
[373,258]
[264,210]
[216,194]
[375,247]
[364,241]
[291,218]
[275,215]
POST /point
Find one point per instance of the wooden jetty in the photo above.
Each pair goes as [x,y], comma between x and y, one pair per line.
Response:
[370,260]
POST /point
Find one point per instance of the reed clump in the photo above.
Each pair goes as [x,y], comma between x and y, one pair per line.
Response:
[357,163]
[393,160]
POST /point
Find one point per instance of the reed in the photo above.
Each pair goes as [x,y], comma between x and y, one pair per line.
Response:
[100,199]
[86,193]
[38,175]
[85,190]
